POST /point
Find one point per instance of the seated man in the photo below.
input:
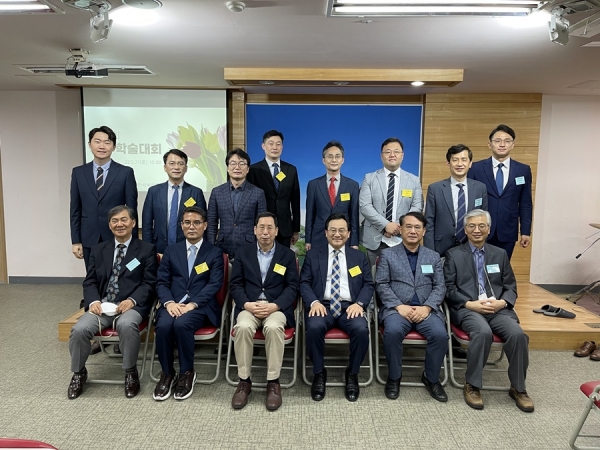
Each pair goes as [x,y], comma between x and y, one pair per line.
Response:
[410,284]
[336,286]
[121,272]
[189,276]
[264,285]
[481,292]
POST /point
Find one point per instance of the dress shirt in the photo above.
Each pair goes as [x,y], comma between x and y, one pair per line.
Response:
[236,193]
[344,285]
[115,253]
[395,217]
[412,261]
[505,169]
[455,191]
[187,256]
[481,282]
[336,183]
[270,163]
[170,193]
[105,168]
[264,261]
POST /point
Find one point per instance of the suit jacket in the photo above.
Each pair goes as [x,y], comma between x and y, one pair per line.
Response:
[313,276]
[461,276]
[373,203]
[439,212]
[155,214]
[89,207]
[226,230]
[246,280]
[396,284]
[513,206]
[318,209]
[138,283]
[285,204]
[174,281]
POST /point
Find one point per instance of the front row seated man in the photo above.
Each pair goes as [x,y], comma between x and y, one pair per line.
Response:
[336,286]
[481,292]
[264,286]
[121,272]
[189,276]
[410,284]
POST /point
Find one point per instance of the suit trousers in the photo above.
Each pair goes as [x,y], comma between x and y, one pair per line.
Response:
[480,328]
[171,332]
[286,241]
[316,327]
[433,328]
[509,247]
[273,329]
[374,254]
[127,325]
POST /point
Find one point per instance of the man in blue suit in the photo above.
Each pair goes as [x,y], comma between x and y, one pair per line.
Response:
[189,277]
[234,206]
[96,187]
[508,185]
[161,216]
[410,284]
[336,286]
[331,193]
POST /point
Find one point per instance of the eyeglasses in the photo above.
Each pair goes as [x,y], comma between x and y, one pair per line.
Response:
[390,153]
[481,226]
[176,164]
[333,157]
[265,227]
[337,230]
[189,223]
[413,227]
[500,141]
[240,164]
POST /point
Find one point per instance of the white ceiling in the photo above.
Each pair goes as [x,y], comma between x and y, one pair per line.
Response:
[195,39]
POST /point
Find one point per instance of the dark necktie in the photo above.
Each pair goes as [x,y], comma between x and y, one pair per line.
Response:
[99,178]
[332,191]
[460,213]
[112,293]
[335,305]
[390,197]
[275,179]
[500,179]
[480,257]
[172,231]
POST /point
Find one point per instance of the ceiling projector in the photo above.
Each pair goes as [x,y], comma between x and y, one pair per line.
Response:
[79,70]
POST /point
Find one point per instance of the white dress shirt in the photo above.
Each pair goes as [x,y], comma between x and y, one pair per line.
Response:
[344,286]
[455,192]
[505,169]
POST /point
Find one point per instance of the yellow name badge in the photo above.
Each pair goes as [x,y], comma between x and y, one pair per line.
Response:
[279,268]
[201,268]
[345,197]
[190,202]
[280,176]
[355,271]
[406,192]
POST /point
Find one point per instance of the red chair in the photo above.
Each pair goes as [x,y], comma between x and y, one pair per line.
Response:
[9,443]
[591,390]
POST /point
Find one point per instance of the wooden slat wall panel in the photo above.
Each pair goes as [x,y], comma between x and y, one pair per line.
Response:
[335,99]
[236,119]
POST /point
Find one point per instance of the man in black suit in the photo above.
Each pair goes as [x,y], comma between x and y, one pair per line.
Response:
[122,272]
[280,182]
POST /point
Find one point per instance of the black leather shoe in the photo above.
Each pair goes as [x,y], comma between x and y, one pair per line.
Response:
[352,389]
[392,388]
[132,384]
[317,390]
[76,386]
[436,390]
[185,385]
[165,385]
[95,348]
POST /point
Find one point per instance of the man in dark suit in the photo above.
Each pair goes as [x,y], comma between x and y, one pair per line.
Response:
[96,187]
[122,272]
[449,200]
[331,193]
[410,284]
[189,276]
[336,286]
[165,202]
[234,206]
[264,286]
[481,292]
[279,181]
[508,185]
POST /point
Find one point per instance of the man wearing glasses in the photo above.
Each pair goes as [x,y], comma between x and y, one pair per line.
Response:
[481,292]
[234,206]
[508,185]
[328,194]
[189,276]
[165,202]
[385,195]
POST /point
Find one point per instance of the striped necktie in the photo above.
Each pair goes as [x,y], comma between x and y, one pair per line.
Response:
[460,213]
[390,197]
[335,305]
[275,179]
[99,178]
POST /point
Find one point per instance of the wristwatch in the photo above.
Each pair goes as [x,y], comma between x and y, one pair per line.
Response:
[362,305]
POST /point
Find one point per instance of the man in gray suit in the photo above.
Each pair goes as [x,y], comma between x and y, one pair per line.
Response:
[449,200]
[385,195]
[481,292]
[410,284]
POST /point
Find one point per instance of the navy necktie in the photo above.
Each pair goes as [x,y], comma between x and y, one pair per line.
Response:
[172,231]
[275,179]
[500,179]
[390,197]
[99,178]
[112,292]
[460,213]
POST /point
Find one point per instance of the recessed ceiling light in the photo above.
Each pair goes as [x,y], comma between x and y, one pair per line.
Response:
[266,82]
[26,7]
[536,19]
[135,17]
[417,83]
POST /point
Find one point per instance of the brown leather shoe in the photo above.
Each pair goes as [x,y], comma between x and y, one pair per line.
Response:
[273,401]
[185,385]
[132,384]
[240,396]
[76,386]
[165,385]
[472,396]
[595,356]
[586,349]
[521,399]
[95,348]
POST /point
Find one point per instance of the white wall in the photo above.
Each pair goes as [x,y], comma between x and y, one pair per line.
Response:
[568,192]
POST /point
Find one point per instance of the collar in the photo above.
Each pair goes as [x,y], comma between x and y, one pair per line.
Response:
[126,242]
[331,250]
[495,162]
[241,188]
[197,244]
[337,177]
[171,185]
[396,172]
[409,253]
[105,167]
[270,163]
[267,253]
[454,182]
[474,249]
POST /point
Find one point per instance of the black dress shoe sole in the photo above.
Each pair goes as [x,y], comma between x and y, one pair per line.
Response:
[392,395]
[317,397]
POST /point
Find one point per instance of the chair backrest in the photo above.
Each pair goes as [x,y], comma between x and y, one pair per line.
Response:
[222,294]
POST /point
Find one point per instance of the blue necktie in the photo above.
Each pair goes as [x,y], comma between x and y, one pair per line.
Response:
[335,305]
[172,231]
[500,179]
[275,179]
[191,258]
[112,292]
[460,213]
[390,197]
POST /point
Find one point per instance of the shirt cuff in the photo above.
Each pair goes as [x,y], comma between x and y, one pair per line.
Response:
[313,302]
[95,301]
[134,302]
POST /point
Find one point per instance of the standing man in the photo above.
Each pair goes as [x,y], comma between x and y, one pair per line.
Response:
[410,284]
[279,180]
[122,272]
[508,185]
[331,193]
[449,200]
[264,285]
[189,276]
[96,187]
[336,286]
[234,206]
[385,195]
[165,202]
[481,292]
